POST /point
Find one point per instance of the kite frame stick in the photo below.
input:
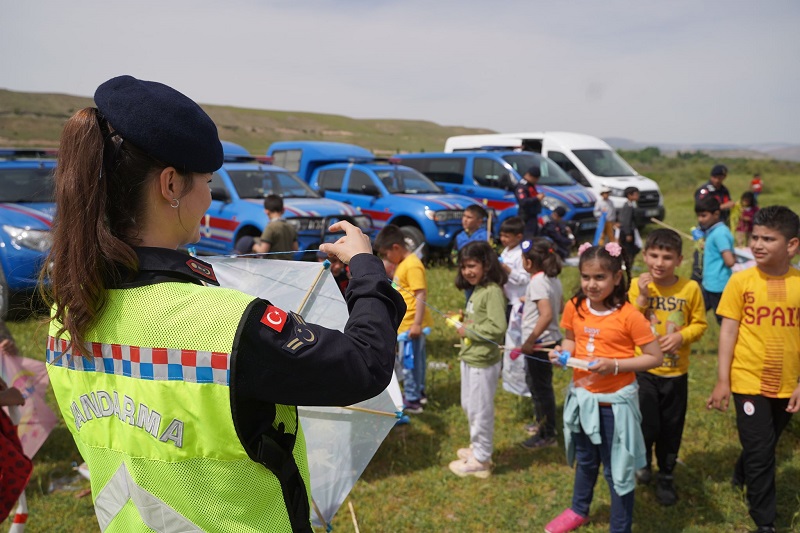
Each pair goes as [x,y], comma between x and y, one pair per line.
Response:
[676,230]
[370,411]
[311,290]
[318,512]
[353,515]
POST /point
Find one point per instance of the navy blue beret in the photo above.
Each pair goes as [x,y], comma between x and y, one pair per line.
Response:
[163,122]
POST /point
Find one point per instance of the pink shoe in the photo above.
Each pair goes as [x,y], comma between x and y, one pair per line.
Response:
[569,520]
[465,453]
[471,467]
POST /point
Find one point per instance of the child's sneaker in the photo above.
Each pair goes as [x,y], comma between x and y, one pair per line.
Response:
[665,491]
[537,441]
[471,467]
[569,520]
[423,399]
[644,475]
[413,408]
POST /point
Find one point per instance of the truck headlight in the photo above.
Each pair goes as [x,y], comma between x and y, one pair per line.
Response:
[33,239]
[618,192]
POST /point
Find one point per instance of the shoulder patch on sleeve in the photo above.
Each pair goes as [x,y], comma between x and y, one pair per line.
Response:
[274,318]
[302,335]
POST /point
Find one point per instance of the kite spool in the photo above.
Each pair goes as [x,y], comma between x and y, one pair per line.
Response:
[565,359]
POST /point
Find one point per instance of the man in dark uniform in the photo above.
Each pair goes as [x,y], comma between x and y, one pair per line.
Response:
[714,187]
[530,201]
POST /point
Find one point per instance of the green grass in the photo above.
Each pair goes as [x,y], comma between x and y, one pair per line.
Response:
[408,487]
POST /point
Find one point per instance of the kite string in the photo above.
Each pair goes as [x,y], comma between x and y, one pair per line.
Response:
[403,289]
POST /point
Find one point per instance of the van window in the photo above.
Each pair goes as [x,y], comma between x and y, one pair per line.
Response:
[605,163]
[361,183]
[331,180]
[288,159]
[551,174]
[488,173]
[446,169]
[569,167]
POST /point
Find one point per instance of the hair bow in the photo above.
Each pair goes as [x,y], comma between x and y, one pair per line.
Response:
[613,249]
[583,247]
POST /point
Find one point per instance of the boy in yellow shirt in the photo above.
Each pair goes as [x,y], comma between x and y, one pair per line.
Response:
[676,311]
[409,275]
[759,355]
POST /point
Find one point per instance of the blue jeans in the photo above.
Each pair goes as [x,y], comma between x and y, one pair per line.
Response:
[414,378]
[588,457]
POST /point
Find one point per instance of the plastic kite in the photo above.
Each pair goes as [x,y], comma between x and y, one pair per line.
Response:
[340,441]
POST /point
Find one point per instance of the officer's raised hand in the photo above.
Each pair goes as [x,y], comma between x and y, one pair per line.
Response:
[352,243]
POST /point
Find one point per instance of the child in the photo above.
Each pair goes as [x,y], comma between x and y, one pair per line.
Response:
[15,467]
[602,422]
[482,330]
[543,302]
[679,320]
[604,205]
[278,235]
[529,201]
[628,234]
[511,262]
[558,232]
[717,252]
[747,210]
[758,345]
[410,277]
[472,221]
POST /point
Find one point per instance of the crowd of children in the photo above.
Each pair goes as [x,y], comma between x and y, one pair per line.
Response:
[628,342]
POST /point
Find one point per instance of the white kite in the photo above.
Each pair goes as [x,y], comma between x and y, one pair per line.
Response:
[340,441]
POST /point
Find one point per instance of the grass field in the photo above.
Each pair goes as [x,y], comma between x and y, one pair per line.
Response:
[408,487]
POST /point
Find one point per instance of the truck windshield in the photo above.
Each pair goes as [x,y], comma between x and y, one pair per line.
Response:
[19,185]
[604,163]
[551,173]
[261,183]
[406,181]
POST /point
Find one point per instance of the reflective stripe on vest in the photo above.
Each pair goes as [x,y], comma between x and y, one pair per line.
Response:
[156,514]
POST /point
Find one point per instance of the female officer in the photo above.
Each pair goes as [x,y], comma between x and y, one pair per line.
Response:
[181,396]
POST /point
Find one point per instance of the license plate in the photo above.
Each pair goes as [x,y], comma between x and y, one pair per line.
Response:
[651,212]
[588,225]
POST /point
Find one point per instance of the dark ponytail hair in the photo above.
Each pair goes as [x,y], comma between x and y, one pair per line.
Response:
[611,263]
[101,186]
[482,252]
[542,254]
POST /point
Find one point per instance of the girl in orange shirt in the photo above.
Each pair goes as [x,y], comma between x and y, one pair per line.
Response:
[602,421]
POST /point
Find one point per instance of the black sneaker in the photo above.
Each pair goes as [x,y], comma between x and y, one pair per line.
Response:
[413,408]
[644,475]
[765,529]
[537,442]
[665,491]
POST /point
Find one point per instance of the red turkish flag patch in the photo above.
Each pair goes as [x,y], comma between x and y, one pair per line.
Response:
[274,318]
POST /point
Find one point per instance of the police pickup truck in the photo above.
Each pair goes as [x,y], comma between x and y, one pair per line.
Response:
[238,190]
[384,189]
[26,209]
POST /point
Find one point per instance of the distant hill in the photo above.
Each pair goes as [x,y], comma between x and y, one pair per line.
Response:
[783,151]
[36,119]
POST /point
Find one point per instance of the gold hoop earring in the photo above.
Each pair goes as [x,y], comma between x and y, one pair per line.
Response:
[174,203]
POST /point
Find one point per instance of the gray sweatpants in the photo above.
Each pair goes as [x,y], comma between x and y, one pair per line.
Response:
[478,386]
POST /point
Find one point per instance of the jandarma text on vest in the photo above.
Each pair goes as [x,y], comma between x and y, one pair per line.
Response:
[103,404]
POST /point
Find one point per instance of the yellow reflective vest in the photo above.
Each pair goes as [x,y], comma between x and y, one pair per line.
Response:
[150,412]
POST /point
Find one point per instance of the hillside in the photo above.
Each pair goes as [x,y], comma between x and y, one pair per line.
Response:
[36,119]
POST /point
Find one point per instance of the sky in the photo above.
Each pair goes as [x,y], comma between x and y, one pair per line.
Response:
[683,71]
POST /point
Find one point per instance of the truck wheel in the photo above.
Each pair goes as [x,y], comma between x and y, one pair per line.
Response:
[4,295]
[415,240]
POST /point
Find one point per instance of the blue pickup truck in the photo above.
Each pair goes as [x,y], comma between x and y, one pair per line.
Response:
[238,190]
[26,214]
[491,175]
[384,189]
